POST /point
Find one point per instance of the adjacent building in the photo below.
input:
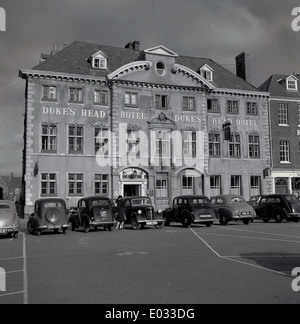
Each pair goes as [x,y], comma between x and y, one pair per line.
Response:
[104,120]
[284,132]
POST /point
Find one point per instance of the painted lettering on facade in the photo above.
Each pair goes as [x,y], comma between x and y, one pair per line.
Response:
[73,112]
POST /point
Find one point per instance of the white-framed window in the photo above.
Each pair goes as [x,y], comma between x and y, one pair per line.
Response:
[48,184]
[207,72]
[99,63]
[284,151]
[298,114]
[214,142]
[161,102]
[160,68]
[76,95]
[101,97]
[254,146]
[235,146]
[49,93]
[101,184]
[188,183]
[215,185]
[189,143]
[255,185]
[132,141]
[75,184]
[75,138]
[100,139]
[232,107]
[252,108]
[131,99]
[291,84]
[162,188]
[188,104]
[236,185]
[283,114]
[213,106]
[49,138]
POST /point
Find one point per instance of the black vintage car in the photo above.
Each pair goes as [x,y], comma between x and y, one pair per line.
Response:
[279,207]
[190,210]
[49,214]
[140,212]
[93,212]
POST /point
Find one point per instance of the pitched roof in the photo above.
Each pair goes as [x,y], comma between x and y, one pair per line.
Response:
[74,59]
[275,85]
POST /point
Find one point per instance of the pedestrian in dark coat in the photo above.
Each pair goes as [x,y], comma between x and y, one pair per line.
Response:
[121,213]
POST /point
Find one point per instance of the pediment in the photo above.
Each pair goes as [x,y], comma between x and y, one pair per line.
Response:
[161,50]
[162,120]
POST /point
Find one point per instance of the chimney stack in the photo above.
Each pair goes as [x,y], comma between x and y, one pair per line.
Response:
[133,45]
[243,66]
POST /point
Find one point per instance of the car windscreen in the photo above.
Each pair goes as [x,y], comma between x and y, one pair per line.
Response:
[53,204]
[199,201]
[100,202]
[291,198]
[141,202]
[237,199]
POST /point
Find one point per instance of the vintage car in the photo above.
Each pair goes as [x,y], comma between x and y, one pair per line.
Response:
[254,201]
[190,210]
[232,208]
[49,214]
[9,220]
[279,207]
[93,212]
[139,212]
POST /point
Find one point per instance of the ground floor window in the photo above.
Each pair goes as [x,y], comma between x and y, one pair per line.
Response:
[188,185]
[75,184]
[215,186]
[162,186]
[255,183]
[236,185]
[101,184]
[48,184]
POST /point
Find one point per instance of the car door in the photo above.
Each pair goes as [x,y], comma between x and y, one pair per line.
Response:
[176,208]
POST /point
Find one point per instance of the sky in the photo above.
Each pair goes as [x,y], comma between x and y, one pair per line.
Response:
[216,29]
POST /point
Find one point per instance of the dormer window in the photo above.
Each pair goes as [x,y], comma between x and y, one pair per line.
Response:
[99,63]
[206,72]
[292,83]
[99,60]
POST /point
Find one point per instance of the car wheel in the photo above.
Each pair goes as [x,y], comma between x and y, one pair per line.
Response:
[223,220]
[278,216]
[30,227]
[208,224]
[16,235]
[134,224]
[186,222]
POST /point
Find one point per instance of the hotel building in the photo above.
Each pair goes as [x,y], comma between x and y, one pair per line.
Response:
[104,120]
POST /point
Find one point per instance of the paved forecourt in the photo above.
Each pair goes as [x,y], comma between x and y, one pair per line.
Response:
[174,265]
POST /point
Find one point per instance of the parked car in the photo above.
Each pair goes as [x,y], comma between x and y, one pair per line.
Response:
[49,214]
[189,210]
[140,212]
[9,220]
[93,212]
[279,207]
[232,208]
[254,201]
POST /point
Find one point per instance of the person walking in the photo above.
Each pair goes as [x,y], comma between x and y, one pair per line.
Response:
[121,213]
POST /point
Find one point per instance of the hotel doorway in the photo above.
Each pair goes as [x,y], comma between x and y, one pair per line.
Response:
[133,182]
[132,190]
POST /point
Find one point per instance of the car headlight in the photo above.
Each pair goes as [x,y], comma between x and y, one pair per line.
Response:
[139,212]
[160,211]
